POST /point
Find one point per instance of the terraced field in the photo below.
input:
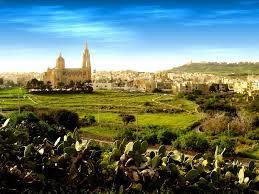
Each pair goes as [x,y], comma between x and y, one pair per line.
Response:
[149,108]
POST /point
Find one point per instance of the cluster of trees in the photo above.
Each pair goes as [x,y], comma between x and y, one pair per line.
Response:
[36,84]
[7,83]
[72,87]
[232,122]
[38,124]
[213,103]
[49,119]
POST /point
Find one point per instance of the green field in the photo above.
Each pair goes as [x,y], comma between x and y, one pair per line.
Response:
[180,120]
[106,106]
[112,122]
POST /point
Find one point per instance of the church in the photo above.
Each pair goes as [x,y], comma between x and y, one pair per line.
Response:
[62,75]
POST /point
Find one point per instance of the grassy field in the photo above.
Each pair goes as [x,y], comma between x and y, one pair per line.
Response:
[112,122]
[107,105]
[179,120]
[100,101]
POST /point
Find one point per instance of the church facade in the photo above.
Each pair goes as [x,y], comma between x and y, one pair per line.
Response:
[62,75]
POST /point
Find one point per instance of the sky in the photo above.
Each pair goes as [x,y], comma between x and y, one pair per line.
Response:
[142,35]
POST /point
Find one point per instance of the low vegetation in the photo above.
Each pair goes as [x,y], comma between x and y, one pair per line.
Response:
[108,115]
[67,164]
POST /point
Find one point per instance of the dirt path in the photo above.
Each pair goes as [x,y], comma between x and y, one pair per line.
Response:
[30,99]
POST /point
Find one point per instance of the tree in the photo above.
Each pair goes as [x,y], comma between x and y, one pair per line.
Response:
[10,83]
[1,81]
[166,137]
[192,141]
[87,88]
[41,85]
[213,88]
[128,118]
[88,120]
[71,84]
[61,85]
[49,85]
[79,85]
[67,119]
[35,84]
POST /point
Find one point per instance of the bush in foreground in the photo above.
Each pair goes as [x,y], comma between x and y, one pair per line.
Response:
[224,142]
[166,137]
[192,141]
[70,165]
[67,119]
[32,127]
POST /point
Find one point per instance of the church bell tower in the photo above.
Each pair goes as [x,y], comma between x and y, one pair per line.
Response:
[86,64]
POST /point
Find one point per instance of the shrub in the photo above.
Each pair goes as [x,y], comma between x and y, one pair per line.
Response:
[166,137]
[156,90]
[253,134]
[147,104]
[67,119]
[88,120]
[29,124]
[241,124]
[218,103]
[149,136]
[216,124]
[60,117]
[46,115]
[2,119]
[128,118]
[127,133]
[224,142]
[231,133]
[29,117]
[255,121]
[28,108]
[254,105]
[192,141]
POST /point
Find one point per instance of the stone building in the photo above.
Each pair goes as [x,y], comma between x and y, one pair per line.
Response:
[62,75]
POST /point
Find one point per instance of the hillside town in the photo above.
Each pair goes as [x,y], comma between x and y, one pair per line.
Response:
[62,77]
[160,81]
[174,82]
[18,78]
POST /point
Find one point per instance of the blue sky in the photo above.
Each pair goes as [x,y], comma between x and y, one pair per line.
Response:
[144,35]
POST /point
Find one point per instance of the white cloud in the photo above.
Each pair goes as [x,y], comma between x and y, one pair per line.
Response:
[61,22]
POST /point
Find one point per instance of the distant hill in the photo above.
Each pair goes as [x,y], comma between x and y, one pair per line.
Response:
[241,68]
